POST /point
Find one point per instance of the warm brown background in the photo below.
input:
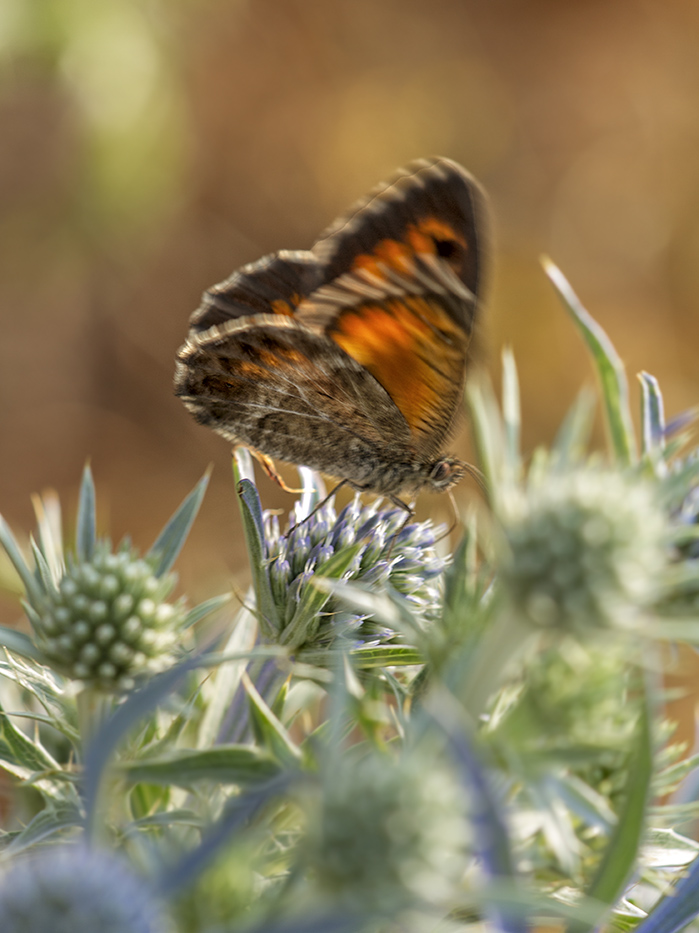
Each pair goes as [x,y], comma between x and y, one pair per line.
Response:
[147,149]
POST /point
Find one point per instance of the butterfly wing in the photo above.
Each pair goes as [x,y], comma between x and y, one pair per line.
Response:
[400,297]
[356,346]
[436,197]
[278,387]
[274,284]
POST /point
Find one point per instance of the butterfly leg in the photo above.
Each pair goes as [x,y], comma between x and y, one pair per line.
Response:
[268,466]
[409,513]
[320,505]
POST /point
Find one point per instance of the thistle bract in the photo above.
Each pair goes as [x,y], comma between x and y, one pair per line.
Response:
[71,889]
[107,621]
[583,549]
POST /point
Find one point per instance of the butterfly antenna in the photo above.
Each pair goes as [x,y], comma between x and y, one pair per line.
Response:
[455,510]
[476,474]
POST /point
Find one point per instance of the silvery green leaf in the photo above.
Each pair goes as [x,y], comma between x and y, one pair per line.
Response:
[621,854]
[86,530]
[19,643]
[43,573]
[253,528]
[224,764]
[512,416]
[206,608]
[56,817]
[652,415]
[222,685]
[271,731]
[169,542]
[364,658]
[26,758]
[489,433]
[47,509]
[8,542]
[609,367]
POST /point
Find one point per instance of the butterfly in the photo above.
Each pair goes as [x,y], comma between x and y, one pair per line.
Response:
[350,358]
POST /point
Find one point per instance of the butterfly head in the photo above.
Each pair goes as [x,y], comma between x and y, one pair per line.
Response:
[445,473]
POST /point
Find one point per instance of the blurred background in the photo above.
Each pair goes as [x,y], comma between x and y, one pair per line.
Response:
[149,148]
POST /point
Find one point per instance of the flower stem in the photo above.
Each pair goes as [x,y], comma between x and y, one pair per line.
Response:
[94,707]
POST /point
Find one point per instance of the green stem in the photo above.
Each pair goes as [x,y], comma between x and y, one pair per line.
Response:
[93,708]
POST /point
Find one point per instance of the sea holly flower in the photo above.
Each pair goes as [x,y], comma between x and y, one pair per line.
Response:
[583,549]
[363,544]
[386,832]
[108,620]
[680,598]
[72,889]
[102,616]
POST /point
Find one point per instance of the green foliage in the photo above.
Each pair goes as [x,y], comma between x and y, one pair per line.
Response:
[383,739]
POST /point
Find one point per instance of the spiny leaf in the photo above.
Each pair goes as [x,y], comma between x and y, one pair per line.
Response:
[652,415]
[225,764]
[86,530]
[253,528]
[609,367]
[7,540]
[171,539]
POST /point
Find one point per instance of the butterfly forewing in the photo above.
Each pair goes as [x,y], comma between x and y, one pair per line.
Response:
[433,197]
[274,284]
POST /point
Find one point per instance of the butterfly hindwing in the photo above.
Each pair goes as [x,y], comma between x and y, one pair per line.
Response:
[274,386]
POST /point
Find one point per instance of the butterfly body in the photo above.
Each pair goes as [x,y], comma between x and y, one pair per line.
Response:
[351,357]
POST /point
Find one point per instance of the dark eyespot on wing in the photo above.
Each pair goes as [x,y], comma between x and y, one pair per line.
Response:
[434,189]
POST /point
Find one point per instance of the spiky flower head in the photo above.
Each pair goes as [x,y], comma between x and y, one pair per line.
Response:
[382,551]
[681,597]
[70,889]
[387,832]
[688,514]
[107,621]
[101,616]
[583,549]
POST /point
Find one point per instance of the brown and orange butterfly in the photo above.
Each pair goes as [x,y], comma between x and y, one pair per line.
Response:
[350,357]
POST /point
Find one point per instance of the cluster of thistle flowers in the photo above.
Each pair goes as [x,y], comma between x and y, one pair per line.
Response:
[101,617]
[682,598]
[71,889]
[390,553]
[689,515]
[107,619]
[385,832]
[583,549]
